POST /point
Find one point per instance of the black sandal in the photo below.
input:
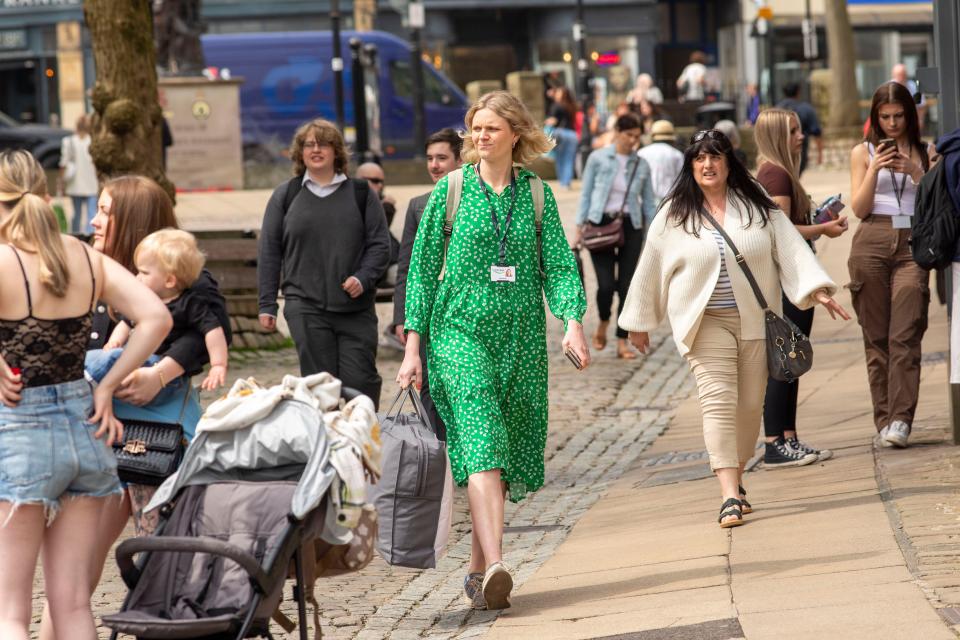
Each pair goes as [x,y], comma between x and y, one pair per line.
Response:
[732,507]
[746,505]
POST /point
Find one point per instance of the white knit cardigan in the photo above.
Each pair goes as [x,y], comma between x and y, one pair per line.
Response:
[678,271]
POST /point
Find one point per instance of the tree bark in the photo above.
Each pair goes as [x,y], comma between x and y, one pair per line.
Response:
[127,120]
[841,56]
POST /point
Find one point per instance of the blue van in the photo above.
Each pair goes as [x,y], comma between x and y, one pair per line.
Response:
[288,80]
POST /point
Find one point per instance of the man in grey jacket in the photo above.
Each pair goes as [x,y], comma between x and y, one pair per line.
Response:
[443,156]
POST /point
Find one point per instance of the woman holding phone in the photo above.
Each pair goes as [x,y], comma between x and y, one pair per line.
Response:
[890,292]
[779,143]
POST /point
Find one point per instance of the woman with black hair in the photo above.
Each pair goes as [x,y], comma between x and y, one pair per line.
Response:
[890,292]
[687,275]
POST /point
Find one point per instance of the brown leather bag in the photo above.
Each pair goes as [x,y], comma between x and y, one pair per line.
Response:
[604,238]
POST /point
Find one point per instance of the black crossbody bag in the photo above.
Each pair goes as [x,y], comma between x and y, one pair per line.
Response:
[151,451]
[789,352]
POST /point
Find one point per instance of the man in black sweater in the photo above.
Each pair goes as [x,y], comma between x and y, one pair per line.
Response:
[326,255]
[443,156]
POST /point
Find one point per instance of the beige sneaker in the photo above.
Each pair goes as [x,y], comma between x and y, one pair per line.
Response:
[497,585]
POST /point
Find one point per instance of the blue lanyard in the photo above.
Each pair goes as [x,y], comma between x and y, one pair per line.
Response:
[493,213]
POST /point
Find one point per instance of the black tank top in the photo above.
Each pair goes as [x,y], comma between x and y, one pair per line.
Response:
[47,351]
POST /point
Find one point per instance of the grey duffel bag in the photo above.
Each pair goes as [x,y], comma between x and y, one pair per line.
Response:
[414,497]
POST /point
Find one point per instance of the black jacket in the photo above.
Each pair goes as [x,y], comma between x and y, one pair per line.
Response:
[410,224]
[188,349]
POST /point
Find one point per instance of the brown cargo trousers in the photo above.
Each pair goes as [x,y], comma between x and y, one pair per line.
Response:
[890,296]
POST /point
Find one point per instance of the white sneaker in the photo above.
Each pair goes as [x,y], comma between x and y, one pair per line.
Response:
[882,437]
[897,434]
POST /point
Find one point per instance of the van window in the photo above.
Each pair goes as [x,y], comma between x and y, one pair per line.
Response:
[402,80]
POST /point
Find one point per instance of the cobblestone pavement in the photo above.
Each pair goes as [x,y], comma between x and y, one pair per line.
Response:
[599,424]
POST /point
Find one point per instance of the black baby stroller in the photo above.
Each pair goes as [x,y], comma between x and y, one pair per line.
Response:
[232,519]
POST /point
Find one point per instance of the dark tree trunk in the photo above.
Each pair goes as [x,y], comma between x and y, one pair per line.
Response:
[127,119]
[844,97]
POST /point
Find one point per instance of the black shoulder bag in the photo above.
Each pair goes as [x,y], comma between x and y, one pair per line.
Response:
[151,451]
[789,352]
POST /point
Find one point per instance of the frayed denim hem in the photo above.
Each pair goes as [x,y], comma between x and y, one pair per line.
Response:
[51,507]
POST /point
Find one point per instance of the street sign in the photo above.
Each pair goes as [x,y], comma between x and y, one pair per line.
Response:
[417,17]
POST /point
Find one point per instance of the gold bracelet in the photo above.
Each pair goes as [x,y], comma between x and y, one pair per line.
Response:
[163,382]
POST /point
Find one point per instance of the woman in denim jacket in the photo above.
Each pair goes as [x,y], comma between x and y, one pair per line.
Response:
[606,193]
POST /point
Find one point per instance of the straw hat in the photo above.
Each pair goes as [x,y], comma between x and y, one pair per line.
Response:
[662,131]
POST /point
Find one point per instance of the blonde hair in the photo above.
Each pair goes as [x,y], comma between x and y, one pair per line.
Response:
[176,252]
[31,221]
[772,134]
[532,143]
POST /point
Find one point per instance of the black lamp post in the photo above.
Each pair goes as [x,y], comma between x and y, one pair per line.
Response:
[583,66]
[337,62]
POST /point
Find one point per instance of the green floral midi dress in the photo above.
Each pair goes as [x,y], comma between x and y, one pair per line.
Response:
[487,346]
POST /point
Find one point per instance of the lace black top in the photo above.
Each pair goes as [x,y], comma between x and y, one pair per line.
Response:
[46,351]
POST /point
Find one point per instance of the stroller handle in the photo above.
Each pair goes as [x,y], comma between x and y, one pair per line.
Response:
[349,393]
[129,548]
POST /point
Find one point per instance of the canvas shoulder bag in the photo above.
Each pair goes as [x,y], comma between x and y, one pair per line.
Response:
[604,238]
[789,352]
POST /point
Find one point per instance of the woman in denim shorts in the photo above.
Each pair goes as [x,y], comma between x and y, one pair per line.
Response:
[56,465]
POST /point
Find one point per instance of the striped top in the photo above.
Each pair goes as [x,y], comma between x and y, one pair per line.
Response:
[722,297]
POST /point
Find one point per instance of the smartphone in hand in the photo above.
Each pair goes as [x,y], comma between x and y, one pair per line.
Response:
[829,210]
[884,144]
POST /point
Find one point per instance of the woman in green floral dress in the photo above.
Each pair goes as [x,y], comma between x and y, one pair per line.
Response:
[487,326]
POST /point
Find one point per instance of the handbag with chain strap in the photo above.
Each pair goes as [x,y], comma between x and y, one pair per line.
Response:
[151,451]
[789,352]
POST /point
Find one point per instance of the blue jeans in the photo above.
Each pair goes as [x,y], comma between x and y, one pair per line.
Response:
[78,213]
[566,154]
[166,406]
[48,451]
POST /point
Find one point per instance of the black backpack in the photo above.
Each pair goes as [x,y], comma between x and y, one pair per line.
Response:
[360,188]
[936,224]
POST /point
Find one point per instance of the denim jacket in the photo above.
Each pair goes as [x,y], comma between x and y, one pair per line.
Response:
[598,176]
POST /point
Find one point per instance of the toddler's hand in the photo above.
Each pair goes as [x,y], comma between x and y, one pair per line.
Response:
[215,379]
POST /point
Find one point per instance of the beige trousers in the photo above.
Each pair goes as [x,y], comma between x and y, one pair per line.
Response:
[731,379]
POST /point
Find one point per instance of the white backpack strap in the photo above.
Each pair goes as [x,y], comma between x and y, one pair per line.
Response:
[536,191]
[454,191]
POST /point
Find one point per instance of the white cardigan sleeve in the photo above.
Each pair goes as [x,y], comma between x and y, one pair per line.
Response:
[801,274]
[646,305]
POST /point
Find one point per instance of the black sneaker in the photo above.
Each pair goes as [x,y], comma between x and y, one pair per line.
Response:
[781,454]
[796,445]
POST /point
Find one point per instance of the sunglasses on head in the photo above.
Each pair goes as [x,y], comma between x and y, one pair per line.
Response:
[712,134]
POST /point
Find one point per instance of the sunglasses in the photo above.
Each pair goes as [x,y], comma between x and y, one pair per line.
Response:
[375,180]
[712,134]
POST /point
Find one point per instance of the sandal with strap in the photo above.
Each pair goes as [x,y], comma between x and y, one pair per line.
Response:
[743,499]
[731,507]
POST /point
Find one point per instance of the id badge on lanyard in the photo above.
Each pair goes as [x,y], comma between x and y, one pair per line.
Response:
[900,221]
[501,271]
